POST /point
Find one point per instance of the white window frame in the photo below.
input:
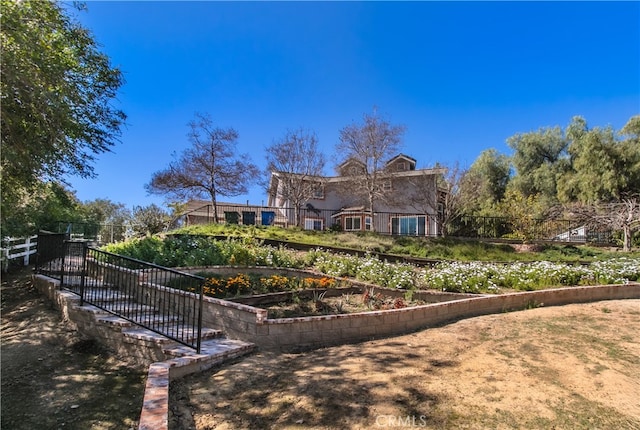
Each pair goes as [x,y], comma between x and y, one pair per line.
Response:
[310,223]
[417,226]
[353,218]
[367,223]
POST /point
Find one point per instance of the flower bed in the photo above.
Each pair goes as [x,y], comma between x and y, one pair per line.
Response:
[477,277]
[244,284]
[493,278]
[316,302]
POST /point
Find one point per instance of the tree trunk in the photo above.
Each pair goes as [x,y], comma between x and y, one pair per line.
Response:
[626,240]
[373,224]
[215,208]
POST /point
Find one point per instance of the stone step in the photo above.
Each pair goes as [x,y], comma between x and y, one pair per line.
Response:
[105,295]
[212,352]
[185,334]
[128,308]
[150,320]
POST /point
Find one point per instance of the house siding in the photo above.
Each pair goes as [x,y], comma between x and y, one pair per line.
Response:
[411,209]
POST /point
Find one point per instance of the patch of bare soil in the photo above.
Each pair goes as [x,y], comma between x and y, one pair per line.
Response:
[345,304]
[568,367]
[52,378]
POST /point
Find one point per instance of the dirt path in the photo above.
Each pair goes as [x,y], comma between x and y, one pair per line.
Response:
[54,379]
[569,367]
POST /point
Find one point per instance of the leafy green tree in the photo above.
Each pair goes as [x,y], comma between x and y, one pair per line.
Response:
[149,220]
[56,91]
[104,211]
[484,184]
[604,168]
[602,188]
[524,213]
[42,208]
[210,167]
[106,219]
[539,158]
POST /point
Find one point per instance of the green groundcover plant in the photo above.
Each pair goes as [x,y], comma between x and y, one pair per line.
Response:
[469,277]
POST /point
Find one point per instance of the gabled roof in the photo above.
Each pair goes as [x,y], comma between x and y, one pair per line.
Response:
[411,160]
[350,160]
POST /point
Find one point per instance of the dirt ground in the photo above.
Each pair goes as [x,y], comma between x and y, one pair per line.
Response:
[569,367]
[51,377]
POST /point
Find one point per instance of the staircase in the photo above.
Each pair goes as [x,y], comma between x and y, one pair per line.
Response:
[164,358]
[138,345]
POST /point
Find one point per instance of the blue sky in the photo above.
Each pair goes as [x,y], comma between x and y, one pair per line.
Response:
[461,76]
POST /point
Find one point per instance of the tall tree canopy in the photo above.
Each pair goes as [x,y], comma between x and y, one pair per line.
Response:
[539,158]
[484,184]
[298,163]
[370,144]
[57,90]
[604,167]
[210,167]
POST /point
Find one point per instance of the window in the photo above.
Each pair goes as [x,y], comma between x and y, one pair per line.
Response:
[401,166]
[386,185]
[313,224]
[367,223]
[409,225]
[352,223]
[318,192]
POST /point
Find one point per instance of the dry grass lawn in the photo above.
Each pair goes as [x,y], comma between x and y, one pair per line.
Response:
[568,367]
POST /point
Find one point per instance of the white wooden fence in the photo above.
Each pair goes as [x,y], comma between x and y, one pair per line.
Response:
[14,248]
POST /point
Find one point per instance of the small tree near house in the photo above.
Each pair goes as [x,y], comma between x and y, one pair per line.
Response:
[297,163]
[370,145]
[437,194]
[209,168]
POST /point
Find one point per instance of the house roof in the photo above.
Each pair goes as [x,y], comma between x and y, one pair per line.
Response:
[351,210]
[350,160]
[411,160]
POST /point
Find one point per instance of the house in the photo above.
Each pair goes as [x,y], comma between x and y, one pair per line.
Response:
[407,200]
[202,212]
[578,234]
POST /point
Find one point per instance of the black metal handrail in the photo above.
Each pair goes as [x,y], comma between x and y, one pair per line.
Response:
[160,299]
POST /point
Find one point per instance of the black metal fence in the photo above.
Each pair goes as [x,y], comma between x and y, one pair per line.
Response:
[310,218]
[50,254]
[533,229]
[157,298]
[399,224]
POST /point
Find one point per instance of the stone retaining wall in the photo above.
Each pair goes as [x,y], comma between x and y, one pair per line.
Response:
[251,324]
[291,334]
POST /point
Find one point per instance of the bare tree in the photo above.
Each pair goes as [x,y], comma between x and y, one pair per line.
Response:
[437,191]
[297,163]
[210,167]
[622,215]
[370,144]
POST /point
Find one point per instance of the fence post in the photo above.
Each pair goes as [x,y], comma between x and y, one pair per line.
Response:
[200,309]
[83,272]
[27,248]
[62,263]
